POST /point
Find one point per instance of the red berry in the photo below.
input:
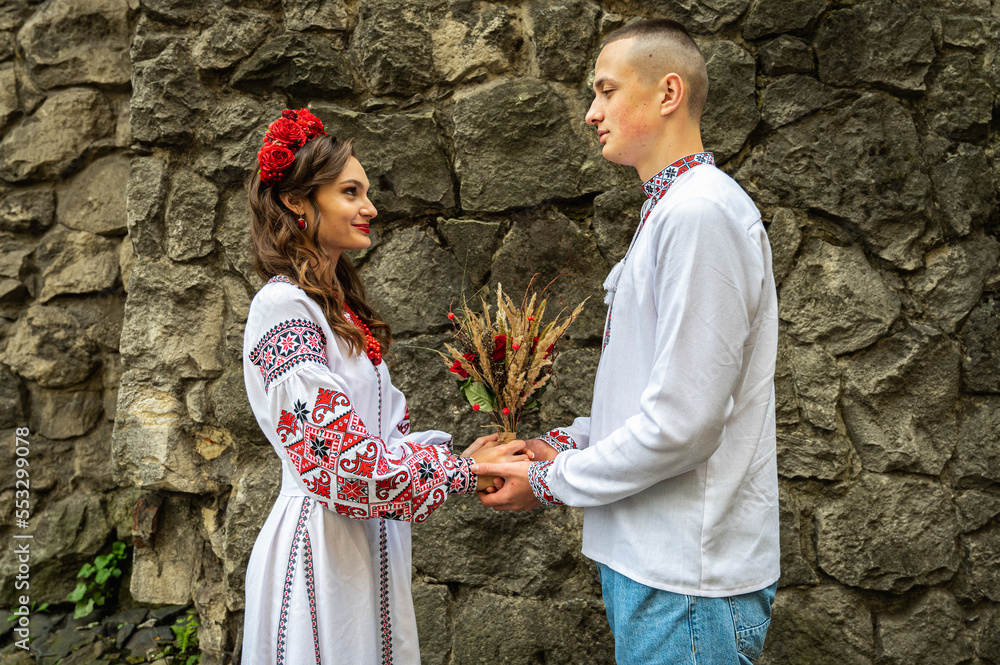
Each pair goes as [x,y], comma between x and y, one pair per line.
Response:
[506,411]
[531,318]
[475,407]
[451,315]
[515,346]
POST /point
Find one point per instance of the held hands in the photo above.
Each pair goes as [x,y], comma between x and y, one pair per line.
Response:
[543,452]
[512,490]
[486,450]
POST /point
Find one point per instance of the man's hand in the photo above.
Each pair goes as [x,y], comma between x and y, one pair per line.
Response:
[543,451]
[516,492]
[538,450]
[491,452]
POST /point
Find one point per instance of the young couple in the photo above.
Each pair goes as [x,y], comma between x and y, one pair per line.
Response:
[675,465]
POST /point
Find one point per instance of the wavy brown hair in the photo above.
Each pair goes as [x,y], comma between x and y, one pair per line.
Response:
[281,248]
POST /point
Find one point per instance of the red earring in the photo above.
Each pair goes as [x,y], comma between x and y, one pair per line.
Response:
[302,224]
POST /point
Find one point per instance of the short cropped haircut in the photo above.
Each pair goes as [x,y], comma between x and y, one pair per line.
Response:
[665,46]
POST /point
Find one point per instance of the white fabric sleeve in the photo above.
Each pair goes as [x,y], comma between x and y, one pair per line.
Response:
[399,430]
[707,280]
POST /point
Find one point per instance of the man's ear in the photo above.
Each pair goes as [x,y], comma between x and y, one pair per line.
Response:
[673,92]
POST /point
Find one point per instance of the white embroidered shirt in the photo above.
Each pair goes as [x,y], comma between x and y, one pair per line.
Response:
[676,464]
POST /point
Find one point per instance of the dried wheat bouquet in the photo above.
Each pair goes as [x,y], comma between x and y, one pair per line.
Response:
[504,362]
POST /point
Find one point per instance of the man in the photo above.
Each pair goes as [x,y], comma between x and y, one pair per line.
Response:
[676,465]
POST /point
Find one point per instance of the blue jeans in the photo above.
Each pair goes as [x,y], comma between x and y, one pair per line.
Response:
[654,627]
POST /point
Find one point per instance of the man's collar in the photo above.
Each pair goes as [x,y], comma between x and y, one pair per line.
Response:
[660,183]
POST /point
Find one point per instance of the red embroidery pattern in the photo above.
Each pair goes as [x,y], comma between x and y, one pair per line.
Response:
[538,478]
[286,345]
[404,424]
[300,529]
[386,622]
[307,559]
[559,440]
[337,458]
[658,185]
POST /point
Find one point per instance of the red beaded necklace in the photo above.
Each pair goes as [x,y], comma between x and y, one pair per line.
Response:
[374,348]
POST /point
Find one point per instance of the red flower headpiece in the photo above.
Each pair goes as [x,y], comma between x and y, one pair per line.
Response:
[282,140]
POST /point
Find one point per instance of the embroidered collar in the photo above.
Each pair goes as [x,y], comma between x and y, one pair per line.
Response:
[658,185]
[654,188]
[280,278]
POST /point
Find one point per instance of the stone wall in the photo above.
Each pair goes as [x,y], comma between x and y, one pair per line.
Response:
[64,152]
[864,131]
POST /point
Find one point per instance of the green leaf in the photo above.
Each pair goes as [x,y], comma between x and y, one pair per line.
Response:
[86,571]
[478,393]
[534,404]
[99,598]
[118,549]
[103,575]
[83,609]
[116,572]
[77,594]
[43,607]
[102,561]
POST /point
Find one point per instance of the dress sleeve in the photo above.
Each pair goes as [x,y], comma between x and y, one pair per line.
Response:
[400,432]
[329,449]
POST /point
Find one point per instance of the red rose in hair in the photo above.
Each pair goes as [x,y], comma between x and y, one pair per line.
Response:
[309,123]
[274,159]
[286,132]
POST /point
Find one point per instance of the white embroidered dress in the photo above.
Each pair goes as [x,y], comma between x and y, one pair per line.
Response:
[328,580]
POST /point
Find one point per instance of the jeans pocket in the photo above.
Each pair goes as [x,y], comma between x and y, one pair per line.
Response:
[751,619]
[750,642]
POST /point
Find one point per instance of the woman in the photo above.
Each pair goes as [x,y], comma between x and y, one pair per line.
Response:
[329,577]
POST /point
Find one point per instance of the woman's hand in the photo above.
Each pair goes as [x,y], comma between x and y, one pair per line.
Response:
[482,442]
[515,451]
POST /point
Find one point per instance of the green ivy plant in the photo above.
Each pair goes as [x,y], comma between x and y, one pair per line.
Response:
[91,589]
[184,650]
[44,607]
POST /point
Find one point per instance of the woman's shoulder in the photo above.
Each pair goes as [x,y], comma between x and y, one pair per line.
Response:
[277,286]
[278,289]
[285,328]
[280,299]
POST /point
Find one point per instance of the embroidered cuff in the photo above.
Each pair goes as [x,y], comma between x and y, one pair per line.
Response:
[461,480]
[538,478]
[559,440]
